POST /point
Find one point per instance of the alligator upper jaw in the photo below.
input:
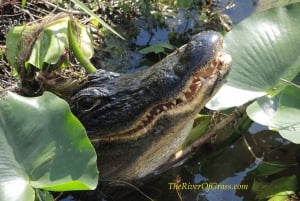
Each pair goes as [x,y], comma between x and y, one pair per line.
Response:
[115,106]
[198,90]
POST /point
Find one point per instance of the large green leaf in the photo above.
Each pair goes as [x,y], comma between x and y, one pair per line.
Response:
[42,145]
[265,49]
[266,53]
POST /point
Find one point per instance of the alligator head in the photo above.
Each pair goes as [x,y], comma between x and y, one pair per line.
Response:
[137,121]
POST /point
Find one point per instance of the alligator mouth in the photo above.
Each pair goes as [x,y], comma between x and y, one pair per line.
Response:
[191,91]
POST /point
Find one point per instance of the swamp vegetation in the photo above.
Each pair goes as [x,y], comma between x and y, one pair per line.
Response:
[44,148]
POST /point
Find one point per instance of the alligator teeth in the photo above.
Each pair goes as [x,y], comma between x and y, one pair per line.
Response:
[165,108]
[202,79]
[158,111]
[183,98]
[221,59]
[224,58]
[188,90]
[198,83]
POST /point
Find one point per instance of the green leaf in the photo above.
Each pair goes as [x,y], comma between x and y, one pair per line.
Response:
[267,169]
[92,14]
[264,190]
[265,49]
[43,195]
[23,3]
[280,113]
[222,100]
[51,44]
[282,196]
[267,4]
[263,109]
[201,125]
[15,46]
[286,120]
[42,145]
[157,48]
[184,3]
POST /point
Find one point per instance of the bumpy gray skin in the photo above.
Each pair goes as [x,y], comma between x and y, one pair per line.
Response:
[119,100]
[110,103]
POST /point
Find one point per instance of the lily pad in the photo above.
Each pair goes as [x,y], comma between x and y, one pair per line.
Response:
[266,62]
[42,145]
[265,50]
[279,113]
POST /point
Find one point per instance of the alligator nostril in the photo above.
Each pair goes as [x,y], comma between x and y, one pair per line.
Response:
[179,69]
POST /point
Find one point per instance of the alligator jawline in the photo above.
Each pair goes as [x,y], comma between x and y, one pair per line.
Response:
[189,93]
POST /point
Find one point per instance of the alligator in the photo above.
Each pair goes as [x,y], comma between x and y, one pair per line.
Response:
[137,121]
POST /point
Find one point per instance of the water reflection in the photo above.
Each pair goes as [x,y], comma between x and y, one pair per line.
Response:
[241,9]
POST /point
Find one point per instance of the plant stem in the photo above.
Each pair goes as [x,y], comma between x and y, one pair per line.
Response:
[85,62]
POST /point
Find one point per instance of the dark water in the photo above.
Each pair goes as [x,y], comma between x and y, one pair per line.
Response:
[234,166]
[241,9]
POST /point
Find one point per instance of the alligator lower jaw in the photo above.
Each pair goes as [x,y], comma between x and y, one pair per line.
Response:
[191,99]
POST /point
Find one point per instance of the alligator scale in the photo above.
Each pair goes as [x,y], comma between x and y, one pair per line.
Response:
[137,121]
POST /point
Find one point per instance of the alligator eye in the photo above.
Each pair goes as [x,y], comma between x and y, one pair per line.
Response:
[86,103]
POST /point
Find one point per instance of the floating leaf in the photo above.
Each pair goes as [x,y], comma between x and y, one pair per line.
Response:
[280,113]
[286,120]
[157,48]
[267,169]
